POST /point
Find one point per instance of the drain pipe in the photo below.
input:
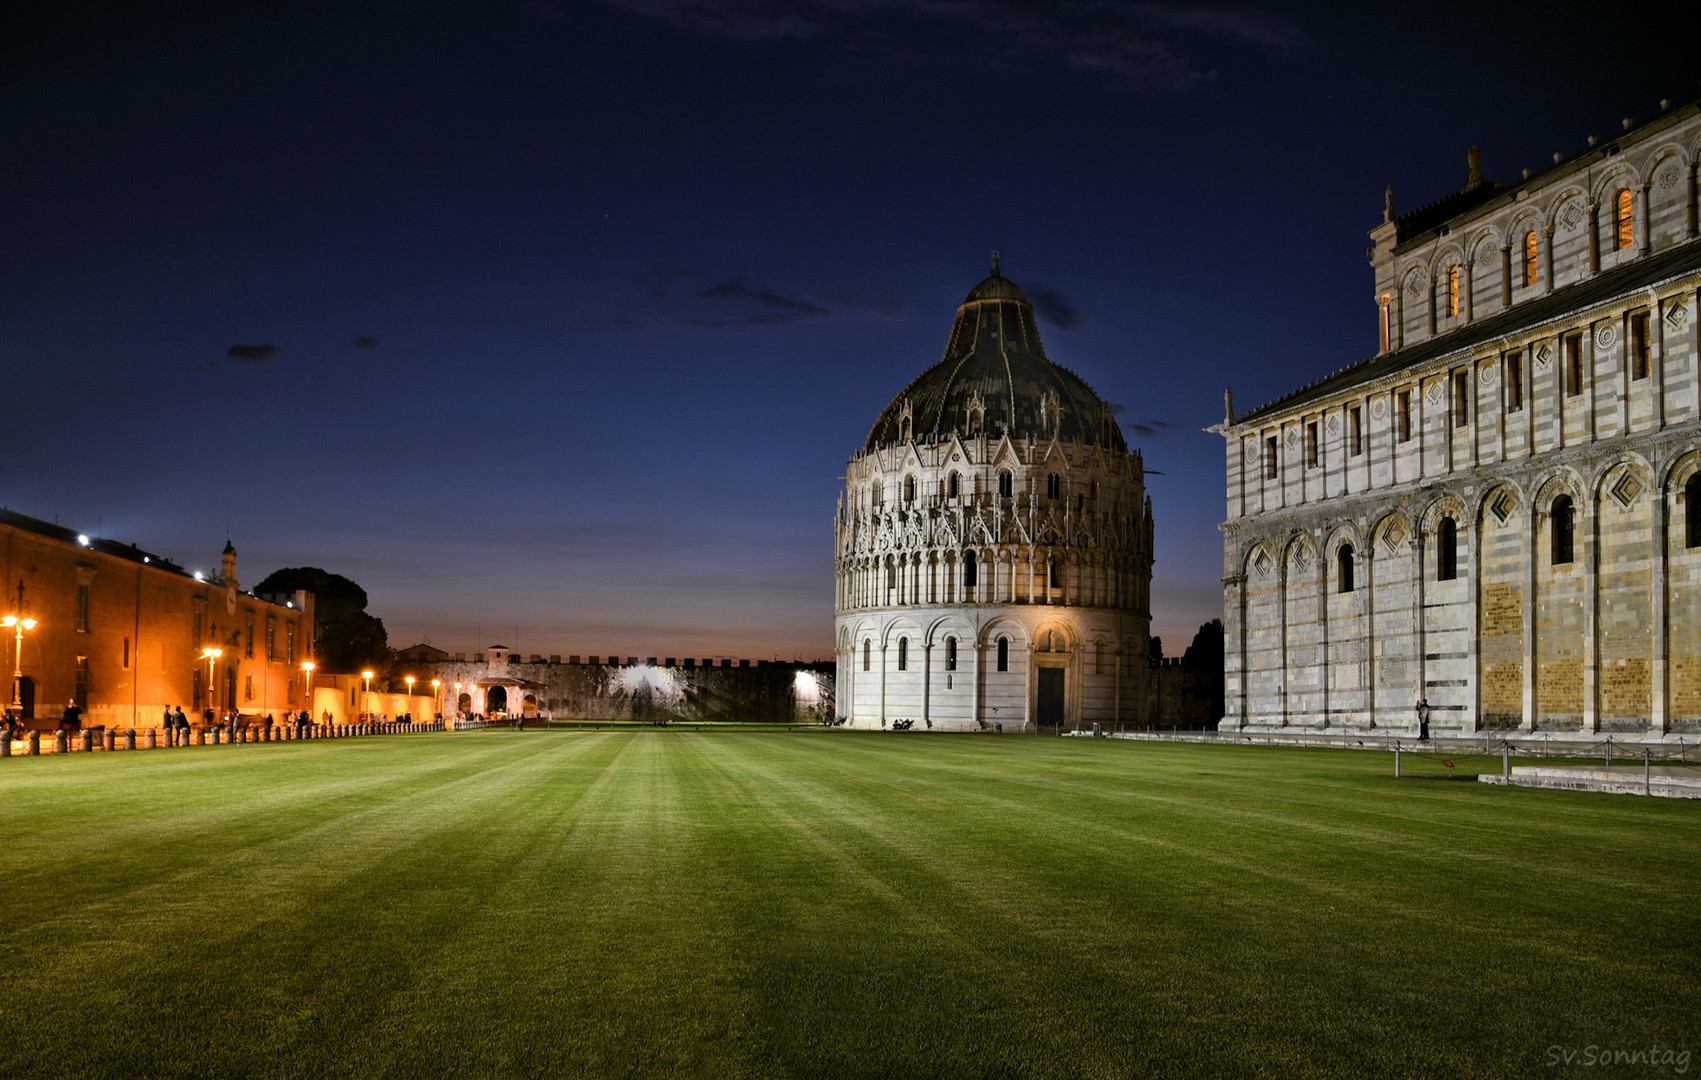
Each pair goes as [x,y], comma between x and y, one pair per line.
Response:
[1506,761]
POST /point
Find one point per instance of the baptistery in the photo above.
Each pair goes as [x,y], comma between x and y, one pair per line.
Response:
[994,544]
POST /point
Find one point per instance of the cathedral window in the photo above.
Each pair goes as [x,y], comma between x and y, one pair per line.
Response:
[1055,574]
[974,422]
[971,574]
[950,654]
[126,654]
[867,651]
[1530,259]
[82,613]
[1093,491]
[909,489]
[953,485]
[1355,430]
[248,638]
[1344,569]
[904,430]
[1573,349]
[1006,484]
[1639,356]
[1453,290]
[1311,445]
[1514,363]
[891,576]
[1625,233]
[1447,551]
[1098,658]
[1053,485]
[1003,654]
[1563,525]
[1080,502]
[903,654]
[1403,415]
[1461,398]
[1692,512]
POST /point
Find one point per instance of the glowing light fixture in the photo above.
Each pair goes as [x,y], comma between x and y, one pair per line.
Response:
[83,539]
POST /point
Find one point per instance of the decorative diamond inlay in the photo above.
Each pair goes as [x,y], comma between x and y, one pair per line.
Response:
[1572,217]
[1503,506]
[1626,490]
[1543,355]
[1263,563]
[1676,314]
[1334,424]
[1391,539]
[1433,394]
[1301,559]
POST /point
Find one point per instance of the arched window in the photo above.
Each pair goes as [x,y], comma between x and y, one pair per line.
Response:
[953,485]
[867,650]
[1563,527]
[1093,491]
[974,422]
[1530,259]
[1003,654]
[1344,569]
[950,654]
[891,575]
[1098,658]
[1625,233]
[1053,485]
[1006,484]
[904,430]
[909,489]
[903,654]
[1453,290]
[971,572]
[1692,512]
[1056,574]
[1447,551]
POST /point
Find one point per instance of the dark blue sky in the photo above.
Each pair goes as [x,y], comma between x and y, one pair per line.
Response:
[565,316]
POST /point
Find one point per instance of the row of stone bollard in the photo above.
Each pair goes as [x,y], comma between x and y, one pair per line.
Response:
[150,738]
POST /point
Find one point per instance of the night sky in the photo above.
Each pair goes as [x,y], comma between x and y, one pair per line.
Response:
[562,318]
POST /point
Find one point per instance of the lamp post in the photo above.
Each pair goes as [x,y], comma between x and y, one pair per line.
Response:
[457,699]
[212,656]
[307,669]
[21,624]
[436,698]
[365,700]
[410,681]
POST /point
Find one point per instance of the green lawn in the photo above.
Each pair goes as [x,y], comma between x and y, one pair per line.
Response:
[665,903]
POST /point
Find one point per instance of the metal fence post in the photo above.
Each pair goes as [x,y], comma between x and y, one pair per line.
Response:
[1396,761]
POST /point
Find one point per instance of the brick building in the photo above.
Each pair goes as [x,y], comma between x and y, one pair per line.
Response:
[122,631]
[1500,511]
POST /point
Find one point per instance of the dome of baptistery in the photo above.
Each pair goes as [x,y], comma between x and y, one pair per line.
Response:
[994,544]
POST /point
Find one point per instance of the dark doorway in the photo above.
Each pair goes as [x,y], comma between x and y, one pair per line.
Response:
[1050,712]
[495,700]
[26,697]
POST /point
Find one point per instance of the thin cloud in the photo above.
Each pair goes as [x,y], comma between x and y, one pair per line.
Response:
[1150,429]
[251,354]
[365,344]
[737,291]
[1055,308]
[1127,46]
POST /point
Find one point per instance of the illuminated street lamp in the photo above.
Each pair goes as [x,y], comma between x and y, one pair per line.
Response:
[409,680]
[212,656]
[436,696]
[21,624]
[307,667]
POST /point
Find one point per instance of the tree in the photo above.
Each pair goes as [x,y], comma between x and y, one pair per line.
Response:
[346,638]
[1204,659]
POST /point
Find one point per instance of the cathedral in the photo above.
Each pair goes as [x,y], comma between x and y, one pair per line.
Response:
[1499,512]
[993,544]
